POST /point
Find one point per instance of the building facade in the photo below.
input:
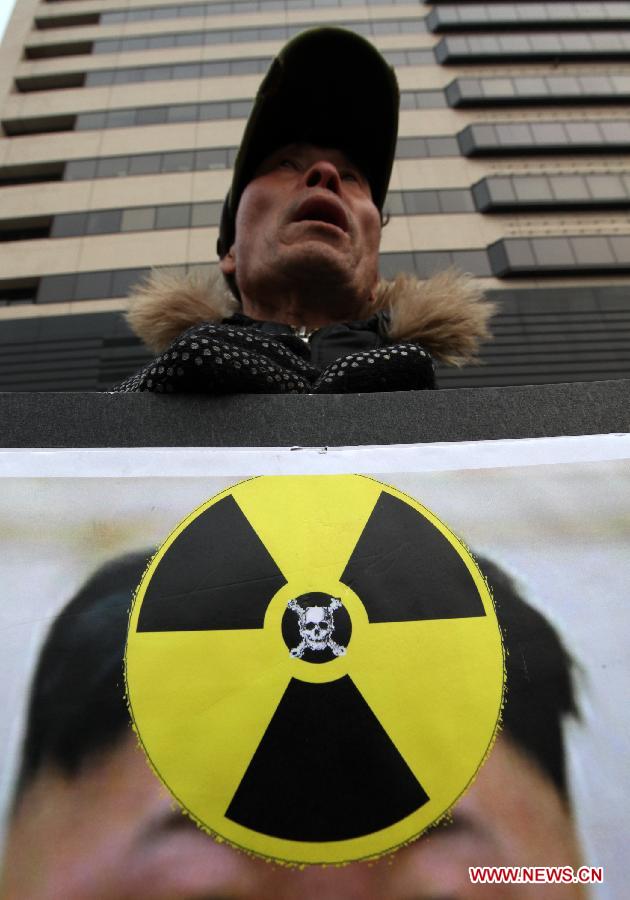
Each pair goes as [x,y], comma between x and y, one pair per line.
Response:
[120,120]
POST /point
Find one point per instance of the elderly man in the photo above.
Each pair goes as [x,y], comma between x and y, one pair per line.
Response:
[298,305]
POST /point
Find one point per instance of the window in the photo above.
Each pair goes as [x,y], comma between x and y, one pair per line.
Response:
[456,201]
[189,40]
[111,18]
[205,215]
[149,163]
[582,132]
[142,219]
[620,246]
[530,86]
[244,67]
[514,255]
[473,261]
[215,69]
[544,137]
[421,202]
[569,187]
[562,86]
[131,44]
[175,216]
[501,190]
[513,135]
[560,255]
[592,251]
[103,221]
[399,203]
[69,225]
[420,57]
[570,89]
[87,121]
[392,263]
[145,164]
[470,87]
[549,133]
[407,100]
[430,99]
[159,41]
[394,205]
[576,43]
[540,15]
[507,87]
[395,58]
[553,252]
[217,9]
[131,76]
[597,85]
[430,262]
[240,108]
[186,112]
[606,187]
[481,194]
[155,115]
[222,36]
[531,189]
[410,148]
[156,73]
[93,285]
[112,166]
[616,132]
[210,159]
[190,70]
[209,111]
[181,161]
[446,146]
[77,170]
[105,46]
[120,118]
[56,288]
[95,79]
[124,280]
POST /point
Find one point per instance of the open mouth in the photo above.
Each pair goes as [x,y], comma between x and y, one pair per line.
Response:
[320,209]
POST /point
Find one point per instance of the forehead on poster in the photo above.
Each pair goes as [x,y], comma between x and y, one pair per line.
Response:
[296,304]
[96,622]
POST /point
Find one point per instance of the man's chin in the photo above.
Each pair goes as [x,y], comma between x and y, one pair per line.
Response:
[318,258]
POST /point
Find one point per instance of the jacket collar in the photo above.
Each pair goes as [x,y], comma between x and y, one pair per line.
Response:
[447,313]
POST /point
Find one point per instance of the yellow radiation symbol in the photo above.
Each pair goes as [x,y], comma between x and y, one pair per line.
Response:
[314,667]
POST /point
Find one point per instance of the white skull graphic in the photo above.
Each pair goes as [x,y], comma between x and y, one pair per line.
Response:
[316,625]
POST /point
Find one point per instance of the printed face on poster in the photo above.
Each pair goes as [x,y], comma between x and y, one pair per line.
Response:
[405,660]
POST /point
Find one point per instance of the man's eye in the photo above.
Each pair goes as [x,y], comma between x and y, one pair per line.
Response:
[288,164]
[350,176]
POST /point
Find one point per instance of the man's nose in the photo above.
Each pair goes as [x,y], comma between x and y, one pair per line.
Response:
[324,174]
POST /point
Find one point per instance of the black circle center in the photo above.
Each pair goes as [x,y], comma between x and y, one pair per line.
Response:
[316,627]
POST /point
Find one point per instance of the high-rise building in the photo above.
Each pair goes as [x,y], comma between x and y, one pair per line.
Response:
[120,120]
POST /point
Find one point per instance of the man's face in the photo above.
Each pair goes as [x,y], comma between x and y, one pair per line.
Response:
[306,225]
[113,833]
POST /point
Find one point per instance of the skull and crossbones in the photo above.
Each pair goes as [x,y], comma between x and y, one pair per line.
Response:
[316,625]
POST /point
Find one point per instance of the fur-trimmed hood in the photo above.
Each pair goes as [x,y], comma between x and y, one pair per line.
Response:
[447,313]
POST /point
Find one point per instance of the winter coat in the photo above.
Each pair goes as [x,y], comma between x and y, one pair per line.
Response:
[206,345]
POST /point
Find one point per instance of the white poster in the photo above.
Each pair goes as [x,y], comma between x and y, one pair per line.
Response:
[547,523]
